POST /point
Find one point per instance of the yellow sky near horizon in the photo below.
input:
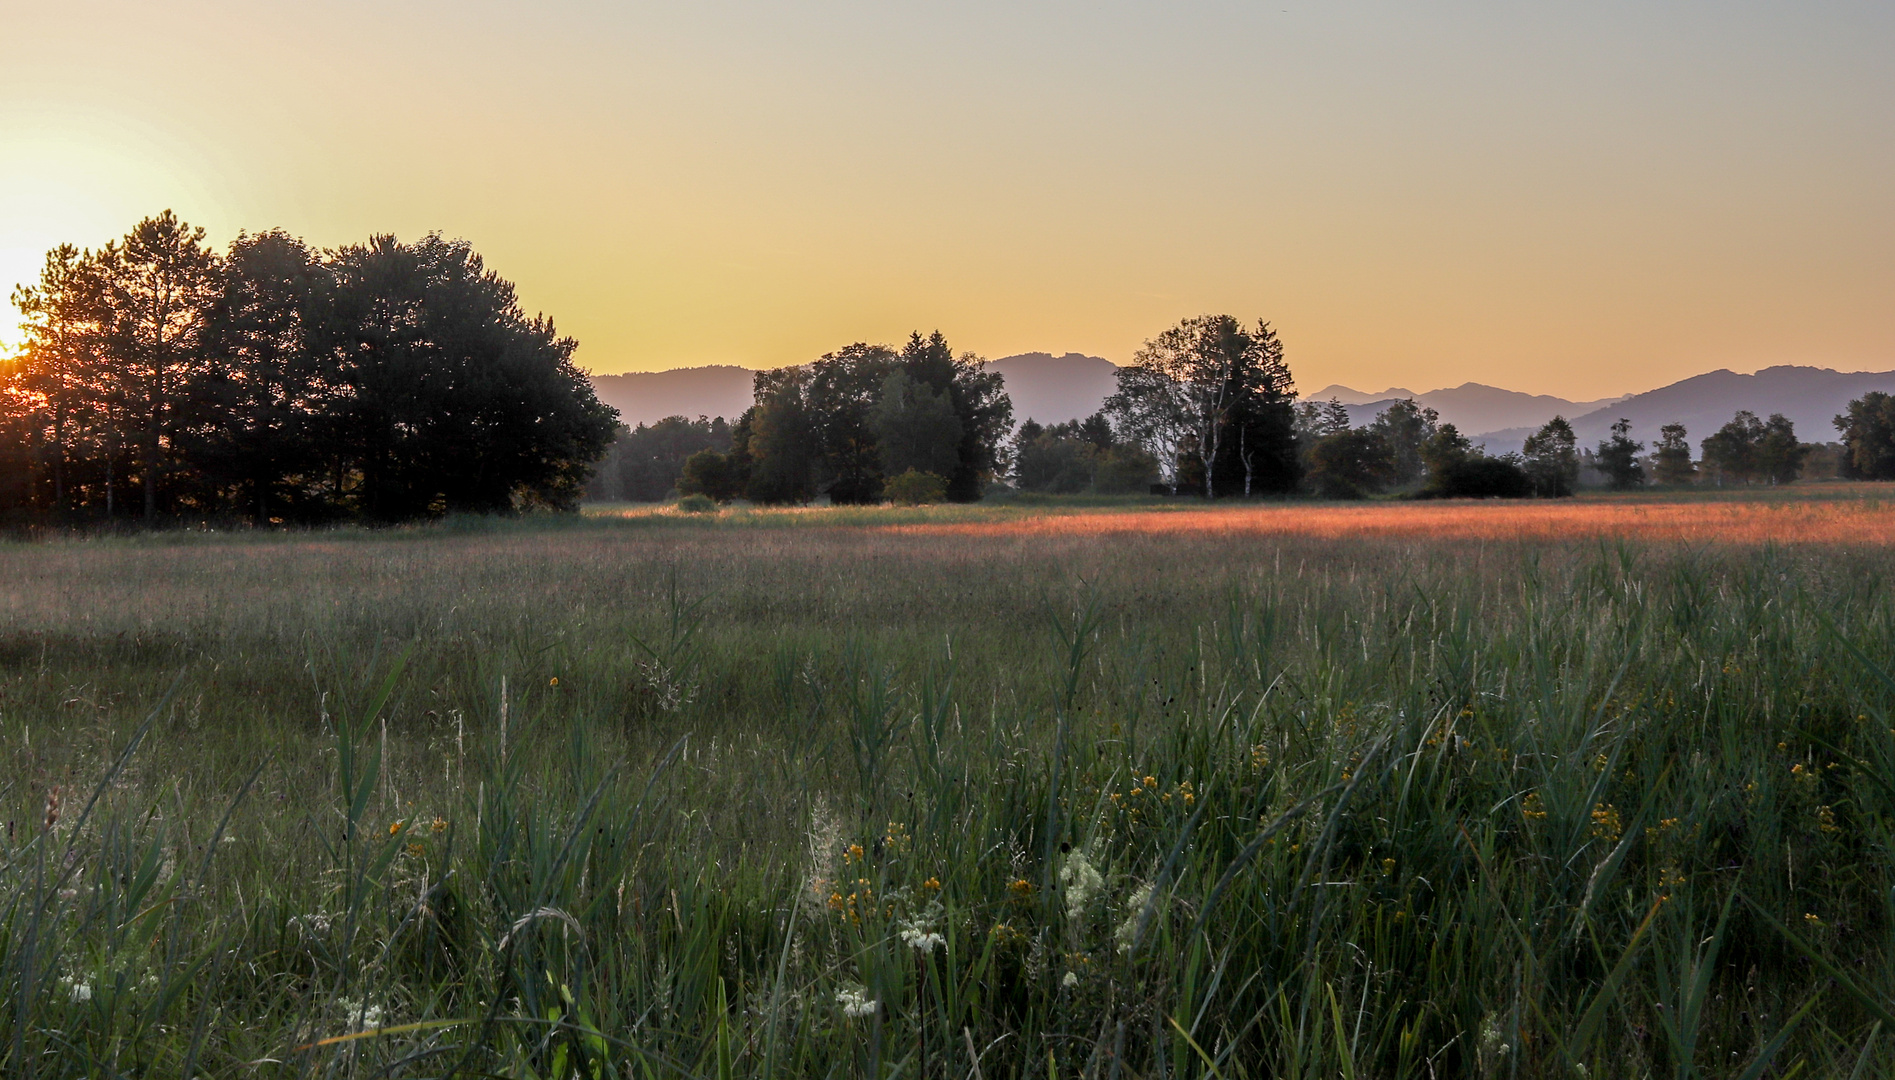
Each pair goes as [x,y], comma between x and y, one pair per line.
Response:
[1574,200]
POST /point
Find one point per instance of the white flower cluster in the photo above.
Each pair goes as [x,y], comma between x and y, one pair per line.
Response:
[1134,910]
[917,937]
[1081,882]
[75,989]
[856,1003]
[364,1016]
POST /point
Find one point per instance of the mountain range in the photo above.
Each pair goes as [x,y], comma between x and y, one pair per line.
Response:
[1072,386]
[1809,396]
[1470,407]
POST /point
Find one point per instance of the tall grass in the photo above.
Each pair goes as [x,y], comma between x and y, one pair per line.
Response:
[680,799]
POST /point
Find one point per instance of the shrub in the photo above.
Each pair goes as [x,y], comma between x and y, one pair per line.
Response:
[915,488]
[1477,477]
[697,504]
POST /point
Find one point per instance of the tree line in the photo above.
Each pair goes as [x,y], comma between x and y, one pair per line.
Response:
[381,381]
[1206,408]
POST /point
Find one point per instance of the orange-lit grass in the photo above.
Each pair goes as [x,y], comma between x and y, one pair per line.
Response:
[1732,521]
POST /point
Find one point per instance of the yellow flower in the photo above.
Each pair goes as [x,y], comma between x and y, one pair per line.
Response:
[554,681]
[416,849]
[394,827]
[1810,918]
[1826,819]
[931,883]
[1533,807]
[836,901]
[1151,781]
[1605,822]
[438,825]
[1020,887]
[855,852]
[1388,866]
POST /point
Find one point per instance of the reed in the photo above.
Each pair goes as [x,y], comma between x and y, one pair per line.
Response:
[997,792]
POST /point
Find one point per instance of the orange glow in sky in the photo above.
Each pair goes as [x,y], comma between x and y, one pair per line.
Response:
[1571,199]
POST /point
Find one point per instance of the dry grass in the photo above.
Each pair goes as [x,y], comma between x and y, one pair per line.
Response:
[1573,755]
[1696,520]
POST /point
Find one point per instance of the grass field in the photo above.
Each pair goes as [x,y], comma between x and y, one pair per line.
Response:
[1603,787]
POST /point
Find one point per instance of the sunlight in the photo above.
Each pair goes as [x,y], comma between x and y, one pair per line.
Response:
[83,177]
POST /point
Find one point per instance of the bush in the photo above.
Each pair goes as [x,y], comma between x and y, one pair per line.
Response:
[1481,478]
[697,504]
[914,488]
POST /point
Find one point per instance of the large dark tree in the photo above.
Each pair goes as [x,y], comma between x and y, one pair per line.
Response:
[1868,437]
[1551,458]
[156,288]
[980,403]
[257,418]
[1617,458]
[1215,392]
[455,399]
[384,381]
[842,392]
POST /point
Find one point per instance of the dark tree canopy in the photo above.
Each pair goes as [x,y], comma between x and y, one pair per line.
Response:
[1748,450]
[382,382]
[1551,458]
[1868,437]
[646,462]
[1213,401]
[845,422]
[1617,458]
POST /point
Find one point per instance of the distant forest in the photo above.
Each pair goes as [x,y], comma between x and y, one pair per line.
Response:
[1206,408]
[380,382]
[385,382]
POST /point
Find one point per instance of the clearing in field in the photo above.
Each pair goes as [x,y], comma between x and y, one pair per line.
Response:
[1599,787]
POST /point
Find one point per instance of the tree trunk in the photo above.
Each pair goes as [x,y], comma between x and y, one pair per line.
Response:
[1243,451]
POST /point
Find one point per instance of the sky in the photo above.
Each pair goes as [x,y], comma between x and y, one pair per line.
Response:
[1577,199]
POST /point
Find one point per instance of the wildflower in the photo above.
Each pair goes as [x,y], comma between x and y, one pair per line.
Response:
[1533,807]
[855,852]
[394,827]
[553,682]
[856,1003]
[76,991]
[1151,781]
[1134,911]
[1070,980]
[917,937]
[417,849]
[932,884]
[1020,887]
[1081,881]
[1826,819]
[362,1015]
[837,902]
[1605,822]
[438,825]
[1810,918]
[1388,866]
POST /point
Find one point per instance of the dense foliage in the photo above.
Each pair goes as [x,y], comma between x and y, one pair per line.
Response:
[382,382]
[1212,400]
[1080,456]
[839,425]
[645,463]
[1868,436]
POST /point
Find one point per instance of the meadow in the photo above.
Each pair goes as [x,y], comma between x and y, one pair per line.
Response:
[1602,787]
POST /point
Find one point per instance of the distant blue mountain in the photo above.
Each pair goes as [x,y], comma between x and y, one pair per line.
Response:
[1809,396]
